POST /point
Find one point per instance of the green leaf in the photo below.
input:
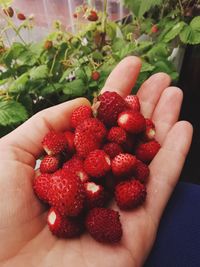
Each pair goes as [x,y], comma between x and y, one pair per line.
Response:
[146,67]
[146,5]
[19,85]
[191,33]
[51,88]
[37,73]
[173,32]
[75,88]
[158,51]
[5,3]
[12,112]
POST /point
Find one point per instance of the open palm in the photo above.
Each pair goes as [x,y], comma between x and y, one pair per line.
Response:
[24,237]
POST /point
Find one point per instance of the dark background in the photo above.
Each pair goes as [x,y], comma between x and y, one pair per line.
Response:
[189,82]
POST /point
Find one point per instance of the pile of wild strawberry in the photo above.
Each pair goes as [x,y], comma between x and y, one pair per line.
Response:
[100,158]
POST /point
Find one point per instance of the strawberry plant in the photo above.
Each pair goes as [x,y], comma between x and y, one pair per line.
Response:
[64,66]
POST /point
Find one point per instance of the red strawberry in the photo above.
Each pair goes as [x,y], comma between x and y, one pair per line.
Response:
[132,122]
[112,149]
[129,145]
[48,44]
[75,165]
[150,131]
[95,195]
[50,164]
[21,16]
[41,186]
[130,194]
[85,143]
[141,172]
[133,102]
[9,11]
[92,16]
[111,105]
[94,126]
[95,75]
[97,163]
[63,227]
[117,135]
[70,141]
[66,193]
[104,225]
[75,15]
[54,143]
[147,151]
[154,28]
[123,164]
[79,115]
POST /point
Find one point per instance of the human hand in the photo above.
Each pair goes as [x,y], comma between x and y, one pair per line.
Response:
[24,236]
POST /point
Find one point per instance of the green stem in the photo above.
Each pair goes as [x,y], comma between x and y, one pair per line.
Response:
[104,17]
[53,63]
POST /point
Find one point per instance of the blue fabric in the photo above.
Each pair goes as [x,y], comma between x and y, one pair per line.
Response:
[178,239]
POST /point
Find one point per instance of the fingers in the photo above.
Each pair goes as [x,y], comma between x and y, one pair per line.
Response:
[166,168]
[167,111]
[150,92]
[28,136]
[123,78]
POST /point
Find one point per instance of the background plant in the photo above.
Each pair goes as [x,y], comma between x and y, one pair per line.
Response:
[64,66]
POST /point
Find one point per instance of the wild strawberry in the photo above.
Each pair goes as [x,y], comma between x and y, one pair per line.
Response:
[79,115]
[63,227]
[92,16]
[97,163]
[75,15]
[85,143]
[110,106]
[117,135]
[54,143]
[123,165]
[154,28]
[75,165]
[132,122]
[70,141]
[9,11]
[130,194]
[141,171]
[66,193]
[150,132]
[50,164]
[95,75]
[41,186]
[104,225]
[147,151]
[21,16]
[48,44]
[95,195]
[112,149]
[133,102]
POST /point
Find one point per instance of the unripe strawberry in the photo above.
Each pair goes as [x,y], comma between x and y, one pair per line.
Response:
[48,44]
[95,75]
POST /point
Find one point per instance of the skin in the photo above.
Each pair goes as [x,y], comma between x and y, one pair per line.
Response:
[24,237]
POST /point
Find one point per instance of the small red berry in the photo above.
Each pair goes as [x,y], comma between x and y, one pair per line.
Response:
[154,28]
[130,194]
[63,227]
[70,141]
[150,131]
[147,151]
[117,135]
[48,44]
[132,122]
[50,164]
[75,15]
[92,16]
[123,165]
[21,16]
[141,171]
[95,75]
[133,102]
[41,186]
[79,115]
[54,143]
[97,163]
[95,195]
[112,149]
[104,225]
